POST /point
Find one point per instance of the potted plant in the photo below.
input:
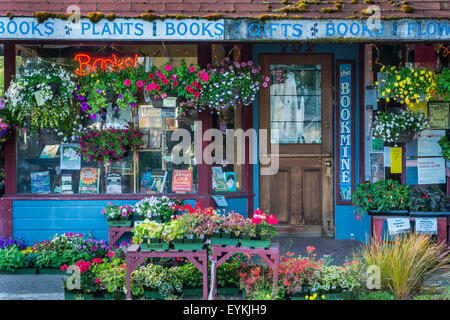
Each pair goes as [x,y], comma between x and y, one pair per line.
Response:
[112,279]
[230,229]
[264,225]
[82,288]
[398,127]
[191,278]
[149,235]
[160,209]
[14,258]
[228,277]
[108,144]
[384,197]
[118,216]
[428,202]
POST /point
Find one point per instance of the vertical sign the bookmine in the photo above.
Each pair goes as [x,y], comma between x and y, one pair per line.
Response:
[345,131]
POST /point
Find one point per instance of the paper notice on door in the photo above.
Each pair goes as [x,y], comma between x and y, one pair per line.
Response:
[396,160]
[387,156]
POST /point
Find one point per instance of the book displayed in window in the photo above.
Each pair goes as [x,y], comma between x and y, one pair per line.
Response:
[49,151]
[70,160]
[182,181]
[66,183]
[158,181]
[40,182]
[89,180]
[145,185]
[218,181]
[230,180]
[114,183]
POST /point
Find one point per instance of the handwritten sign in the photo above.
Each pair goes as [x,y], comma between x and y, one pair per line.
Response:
[426,225]
[182,180]
[398,225]
[344,117]
[439,112]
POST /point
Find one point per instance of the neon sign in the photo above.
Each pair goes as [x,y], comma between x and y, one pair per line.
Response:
[88,64]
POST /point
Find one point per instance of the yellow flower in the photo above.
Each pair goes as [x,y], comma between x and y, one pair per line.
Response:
[396,84]
[422,72]
[383,93]
[398,77]
[388,99]
[306,297]
[407,101]
[376,82]
[268,296]
[388,90]
[323,297]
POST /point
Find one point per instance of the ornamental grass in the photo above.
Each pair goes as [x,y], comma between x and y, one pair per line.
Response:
[405,261]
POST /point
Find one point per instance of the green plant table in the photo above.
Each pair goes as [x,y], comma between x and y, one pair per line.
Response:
[135,257]
[114,234]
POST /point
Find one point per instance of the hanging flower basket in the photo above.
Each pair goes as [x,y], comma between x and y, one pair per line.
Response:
[42,97]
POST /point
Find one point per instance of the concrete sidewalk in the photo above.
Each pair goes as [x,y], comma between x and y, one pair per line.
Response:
[49,286]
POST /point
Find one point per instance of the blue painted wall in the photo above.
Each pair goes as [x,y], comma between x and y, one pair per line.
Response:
[39,220]
[347,226]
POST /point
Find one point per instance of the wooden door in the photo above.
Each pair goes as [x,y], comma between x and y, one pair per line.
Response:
[296,109]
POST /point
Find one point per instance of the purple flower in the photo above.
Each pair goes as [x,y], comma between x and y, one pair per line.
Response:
[84,106]
[99,90]
[93,116]
[133,104]
[81,97]
[120,96]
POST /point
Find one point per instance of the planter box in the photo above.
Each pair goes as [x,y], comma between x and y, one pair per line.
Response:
[154,295]
[392,213]
[440,214]
[119,223]
[188,246]
[225,241]
[192,291]
[116,295]
[20,271]
[50,271]
[231,291]
[255,243]
[78,296]
[154,246]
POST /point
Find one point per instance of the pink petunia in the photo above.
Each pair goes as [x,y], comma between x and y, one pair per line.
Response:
[127,82]
[168,67]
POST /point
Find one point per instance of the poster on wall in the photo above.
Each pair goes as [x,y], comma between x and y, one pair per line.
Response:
[376,166]
[40,182]
[114,183]
[344,127]
[438,114]
[427,144]
[89,180]
[431,170]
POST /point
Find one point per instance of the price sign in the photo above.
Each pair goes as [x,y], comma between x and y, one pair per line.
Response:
[426,225]
[398,225]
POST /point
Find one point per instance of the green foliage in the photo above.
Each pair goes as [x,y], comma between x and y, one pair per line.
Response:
[443,84]
[378,295]
[12,258]
[381,196]
[444,143]
[404,261]
[427,200]
[147,229]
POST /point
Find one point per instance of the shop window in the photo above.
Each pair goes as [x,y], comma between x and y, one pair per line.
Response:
[295,104]
[47,164]
[2,152]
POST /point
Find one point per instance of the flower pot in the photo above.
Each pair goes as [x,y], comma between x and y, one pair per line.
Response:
[216,235]
[392,213]
[119,223]
[161,246]
[153,295]
[246,237]
[225,241]
[115,295]
[192,291]
[255,243]
[430,214]
[229,291]
[68,295]
[188,246]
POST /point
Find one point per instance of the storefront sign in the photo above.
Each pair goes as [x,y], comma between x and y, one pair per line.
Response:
[431,170]
[398,225]
[27,28]
[86,64]
[426,225]
[345,126]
